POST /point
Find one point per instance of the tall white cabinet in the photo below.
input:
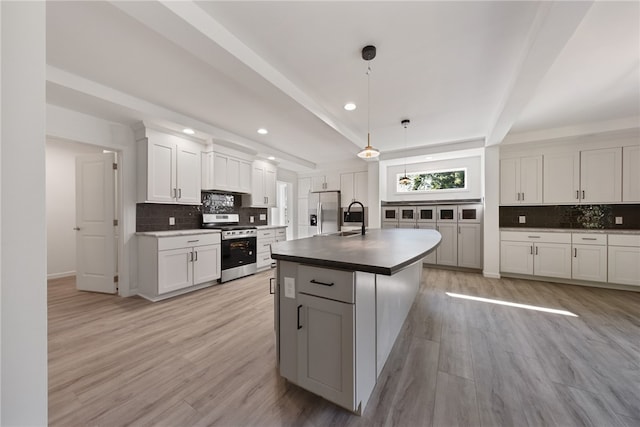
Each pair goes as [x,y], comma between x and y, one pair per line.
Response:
[263,188]
[631,174]
[353,186]
[168,168]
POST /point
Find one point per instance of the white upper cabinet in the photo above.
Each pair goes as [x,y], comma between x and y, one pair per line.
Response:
[521,180]
[329,182]
[561,178]
[353,186]
[304,187]
[631,174]
[601,175]
[263,188]
[168,169]
[226,173]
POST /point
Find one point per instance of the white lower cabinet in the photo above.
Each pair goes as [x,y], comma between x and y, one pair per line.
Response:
[540,254]
[624,259]
[447,252]
[263,244]
[169,266]
[470,245]
[431,258]
[589,257]
[326,349]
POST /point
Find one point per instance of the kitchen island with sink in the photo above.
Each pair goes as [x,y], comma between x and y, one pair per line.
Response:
[340,302]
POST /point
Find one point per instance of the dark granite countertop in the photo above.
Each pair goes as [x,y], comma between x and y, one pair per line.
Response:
[380,251]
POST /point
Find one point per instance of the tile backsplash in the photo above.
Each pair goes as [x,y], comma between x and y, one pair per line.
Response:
[155,216]
[572,217]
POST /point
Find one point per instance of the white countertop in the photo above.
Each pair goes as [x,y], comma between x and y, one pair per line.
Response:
[171,233]
[571,230]
[268,227]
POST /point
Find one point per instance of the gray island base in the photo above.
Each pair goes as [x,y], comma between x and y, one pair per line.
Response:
[340,303]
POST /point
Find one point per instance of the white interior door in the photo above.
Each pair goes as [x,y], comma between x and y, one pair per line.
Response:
[95,214]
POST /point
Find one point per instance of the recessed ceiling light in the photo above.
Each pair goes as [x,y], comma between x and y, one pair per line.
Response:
[188,131]
[350,106]
[263,131]
[271,158]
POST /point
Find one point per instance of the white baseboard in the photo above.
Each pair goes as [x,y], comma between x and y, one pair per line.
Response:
[60,275]
[491,275]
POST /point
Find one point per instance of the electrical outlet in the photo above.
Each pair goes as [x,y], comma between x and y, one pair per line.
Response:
[618,220]
[251,219]
[522,219]
[263,217]
[172,221]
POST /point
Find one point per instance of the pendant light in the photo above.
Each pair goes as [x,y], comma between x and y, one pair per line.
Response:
[404,179]
[368,152]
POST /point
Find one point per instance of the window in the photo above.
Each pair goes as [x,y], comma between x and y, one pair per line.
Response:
[452,179]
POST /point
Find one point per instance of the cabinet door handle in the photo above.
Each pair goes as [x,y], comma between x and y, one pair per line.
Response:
[190,256]
[196,252]
[523,197]
[175,193]
[531,250]
[575,252]
[583,196]
[179,193]
[314,281]
[298,321]
[518,196]
[577,195]
[271,289]
[536,250]
[459,232]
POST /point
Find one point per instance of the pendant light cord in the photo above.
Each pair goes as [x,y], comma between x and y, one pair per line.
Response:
[369,105]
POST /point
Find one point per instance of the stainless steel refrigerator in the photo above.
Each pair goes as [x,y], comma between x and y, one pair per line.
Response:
[324,212]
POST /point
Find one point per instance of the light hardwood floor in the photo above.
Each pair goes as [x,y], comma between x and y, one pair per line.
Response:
[208,358]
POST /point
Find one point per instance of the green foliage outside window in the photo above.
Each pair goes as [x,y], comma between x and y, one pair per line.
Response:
[430,181]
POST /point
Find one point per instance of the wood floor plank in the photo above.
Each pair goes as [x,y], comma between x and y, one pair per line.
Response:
[208,358]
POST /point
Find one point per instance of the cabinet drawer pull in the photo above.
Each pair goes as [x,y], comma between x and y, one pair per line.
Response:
[271,289]
[588,238]
[193,241]
[298,321]
[533,237]
[314,281]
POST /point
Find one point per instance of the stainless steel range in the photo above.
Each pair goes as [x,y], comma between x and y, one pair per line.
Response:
[238,245]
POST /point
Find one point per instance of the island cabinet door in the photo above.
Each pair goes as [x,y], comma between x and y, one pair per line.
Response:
[326,349]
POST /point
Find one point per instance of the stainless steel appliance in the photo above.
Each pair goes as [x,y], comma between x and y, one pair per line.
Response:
[324,211]
[407,214]
[426,214]
[238,245]
[390,217]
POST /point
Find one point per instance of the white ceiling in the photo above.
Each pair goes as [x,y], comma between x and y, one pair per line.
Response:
[459,70]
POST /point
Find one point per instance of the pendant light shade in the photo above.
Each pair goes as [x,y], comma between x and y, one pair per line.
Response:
[404,179]
[368,152]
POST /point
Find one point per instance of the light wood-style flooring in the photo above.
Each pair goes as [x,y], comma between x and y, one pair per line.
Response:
[208,358]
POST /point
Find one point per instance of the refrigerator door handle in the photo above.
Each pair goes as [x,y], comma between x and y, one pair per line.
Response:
[319,218]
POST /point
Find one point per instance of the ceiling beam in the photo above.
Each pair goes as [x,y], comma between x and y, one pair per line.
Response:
[154,113]
[199,20]
[553,26]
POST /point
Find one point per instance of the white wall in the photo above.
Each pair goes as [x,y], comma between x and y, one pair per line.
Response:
[23,306]
[472,164]
[63,124]
[61,205]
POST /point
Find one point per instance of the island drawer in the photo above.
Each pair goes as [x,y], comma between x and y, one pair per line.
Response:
[324,282]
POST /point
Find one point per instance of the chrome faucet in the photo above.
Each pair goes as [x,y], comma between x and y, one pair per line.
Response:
[349,211]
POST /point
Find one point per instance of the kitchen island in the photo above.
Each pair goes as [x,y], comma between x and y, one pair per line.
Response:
[340,302]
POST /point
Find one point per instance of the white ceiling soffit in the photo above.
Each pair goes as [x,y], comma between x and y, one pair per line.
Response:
[99,43]
[595,79]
